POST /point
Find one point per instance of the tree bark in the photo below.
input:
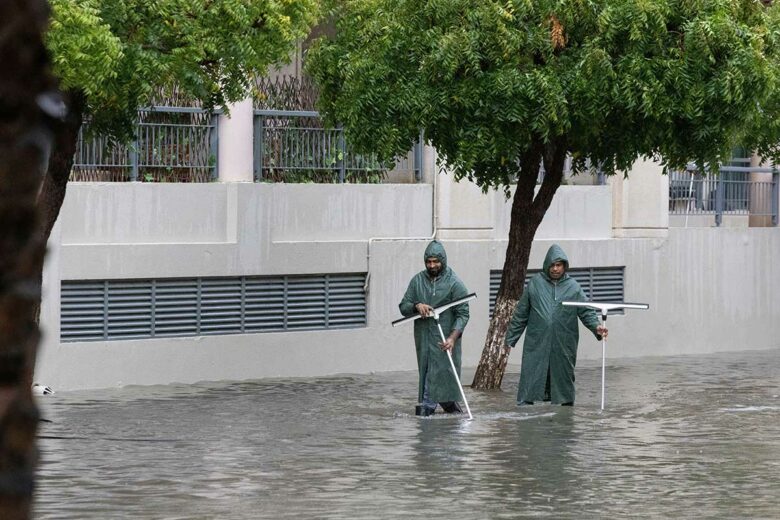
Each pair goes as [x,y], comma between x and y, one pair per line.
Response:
[55,181]
[527,213]
[29,103]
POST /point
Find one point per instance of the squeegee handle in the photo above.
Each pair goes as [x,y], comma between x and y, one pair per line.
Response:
[603,359]
[454,371]
[437,310]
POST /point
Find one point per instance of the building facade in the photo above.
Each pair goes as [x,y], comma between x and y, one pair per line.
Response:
[155,283]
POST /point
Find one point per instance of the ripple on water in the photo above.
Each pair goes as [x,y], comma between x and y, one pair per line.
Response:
[680,437]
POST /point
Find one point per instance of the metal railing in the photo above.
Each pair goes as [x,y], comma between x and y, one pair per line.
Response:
[171,144]
[736,190]
[285,92]
[295,146]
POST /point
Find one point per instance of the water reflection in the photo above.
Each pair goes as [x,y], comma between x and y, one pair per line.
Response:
[681,437]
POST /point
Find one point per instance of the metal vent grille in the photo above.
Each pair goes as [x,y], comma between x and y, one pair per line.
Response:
[601,284]
[125,309]
[264,308]
[345,309]
[176,307]
[220,306]
[128,309]
[83,310]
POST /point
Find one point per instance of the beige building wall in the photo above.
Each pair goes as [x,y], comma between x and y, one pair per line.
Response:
[641,202]
[760,205]
[709,289]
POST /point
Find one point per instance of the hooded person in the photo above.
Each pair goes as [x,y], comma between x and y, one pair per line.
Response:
[552,333]
[433,287]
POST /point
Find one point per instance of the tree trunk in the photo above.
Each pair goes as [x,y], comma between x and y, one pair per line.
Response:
[28,103]
[527,213]
[55,181]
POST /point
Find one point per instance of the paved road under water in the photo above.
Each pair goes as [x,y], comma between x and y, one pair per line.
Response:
[681,437]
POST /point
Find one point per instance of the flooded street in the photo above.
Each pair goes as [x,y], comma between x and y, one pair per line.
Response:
[693,436]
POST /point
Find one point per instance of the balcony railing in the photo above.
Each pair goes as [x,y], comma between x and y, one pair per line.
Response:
[295,146]
[736,190]
[172,144]
[285,92]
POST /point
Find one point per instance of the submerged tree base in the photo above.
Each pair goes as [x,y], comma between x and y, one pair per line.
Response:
[492,364]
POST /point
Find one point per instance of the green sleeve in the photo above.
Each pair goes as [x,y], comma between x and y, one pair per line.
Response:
[409,300]
[589,317]
[461,311]
[519,319]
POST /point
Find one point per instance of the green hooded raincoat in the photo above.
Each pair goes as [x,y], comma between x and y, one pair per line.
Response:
[552,333]
[431,360]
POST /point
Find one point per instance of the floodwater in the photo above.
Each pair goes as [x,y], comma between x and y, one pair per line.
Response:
[680,437]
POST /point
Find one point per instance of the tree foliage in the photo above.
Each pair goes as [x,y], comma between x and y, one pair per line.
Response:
[676,80]
[117,53]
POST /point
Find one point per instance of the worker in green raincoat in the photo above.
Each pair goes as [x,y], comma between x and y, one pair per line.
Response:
[433,287]
[552,333]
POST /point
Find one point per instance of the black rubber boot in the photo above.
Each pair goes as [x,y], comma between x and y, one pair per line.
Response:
[451,407]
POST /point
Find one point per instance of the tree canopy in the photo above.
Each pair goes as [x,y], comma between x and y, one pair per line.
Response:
[117,53]
[675,80]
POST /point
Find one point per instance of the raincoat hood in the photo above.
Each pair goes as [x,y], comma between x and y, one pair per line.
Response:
[437,250]
[555,254]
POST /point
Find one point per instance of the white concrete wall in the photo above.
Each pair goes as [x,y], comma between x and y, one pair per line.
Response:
[235,131]
[140,230]
[641,202]
[464,212]
[576,212]
[709,289]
